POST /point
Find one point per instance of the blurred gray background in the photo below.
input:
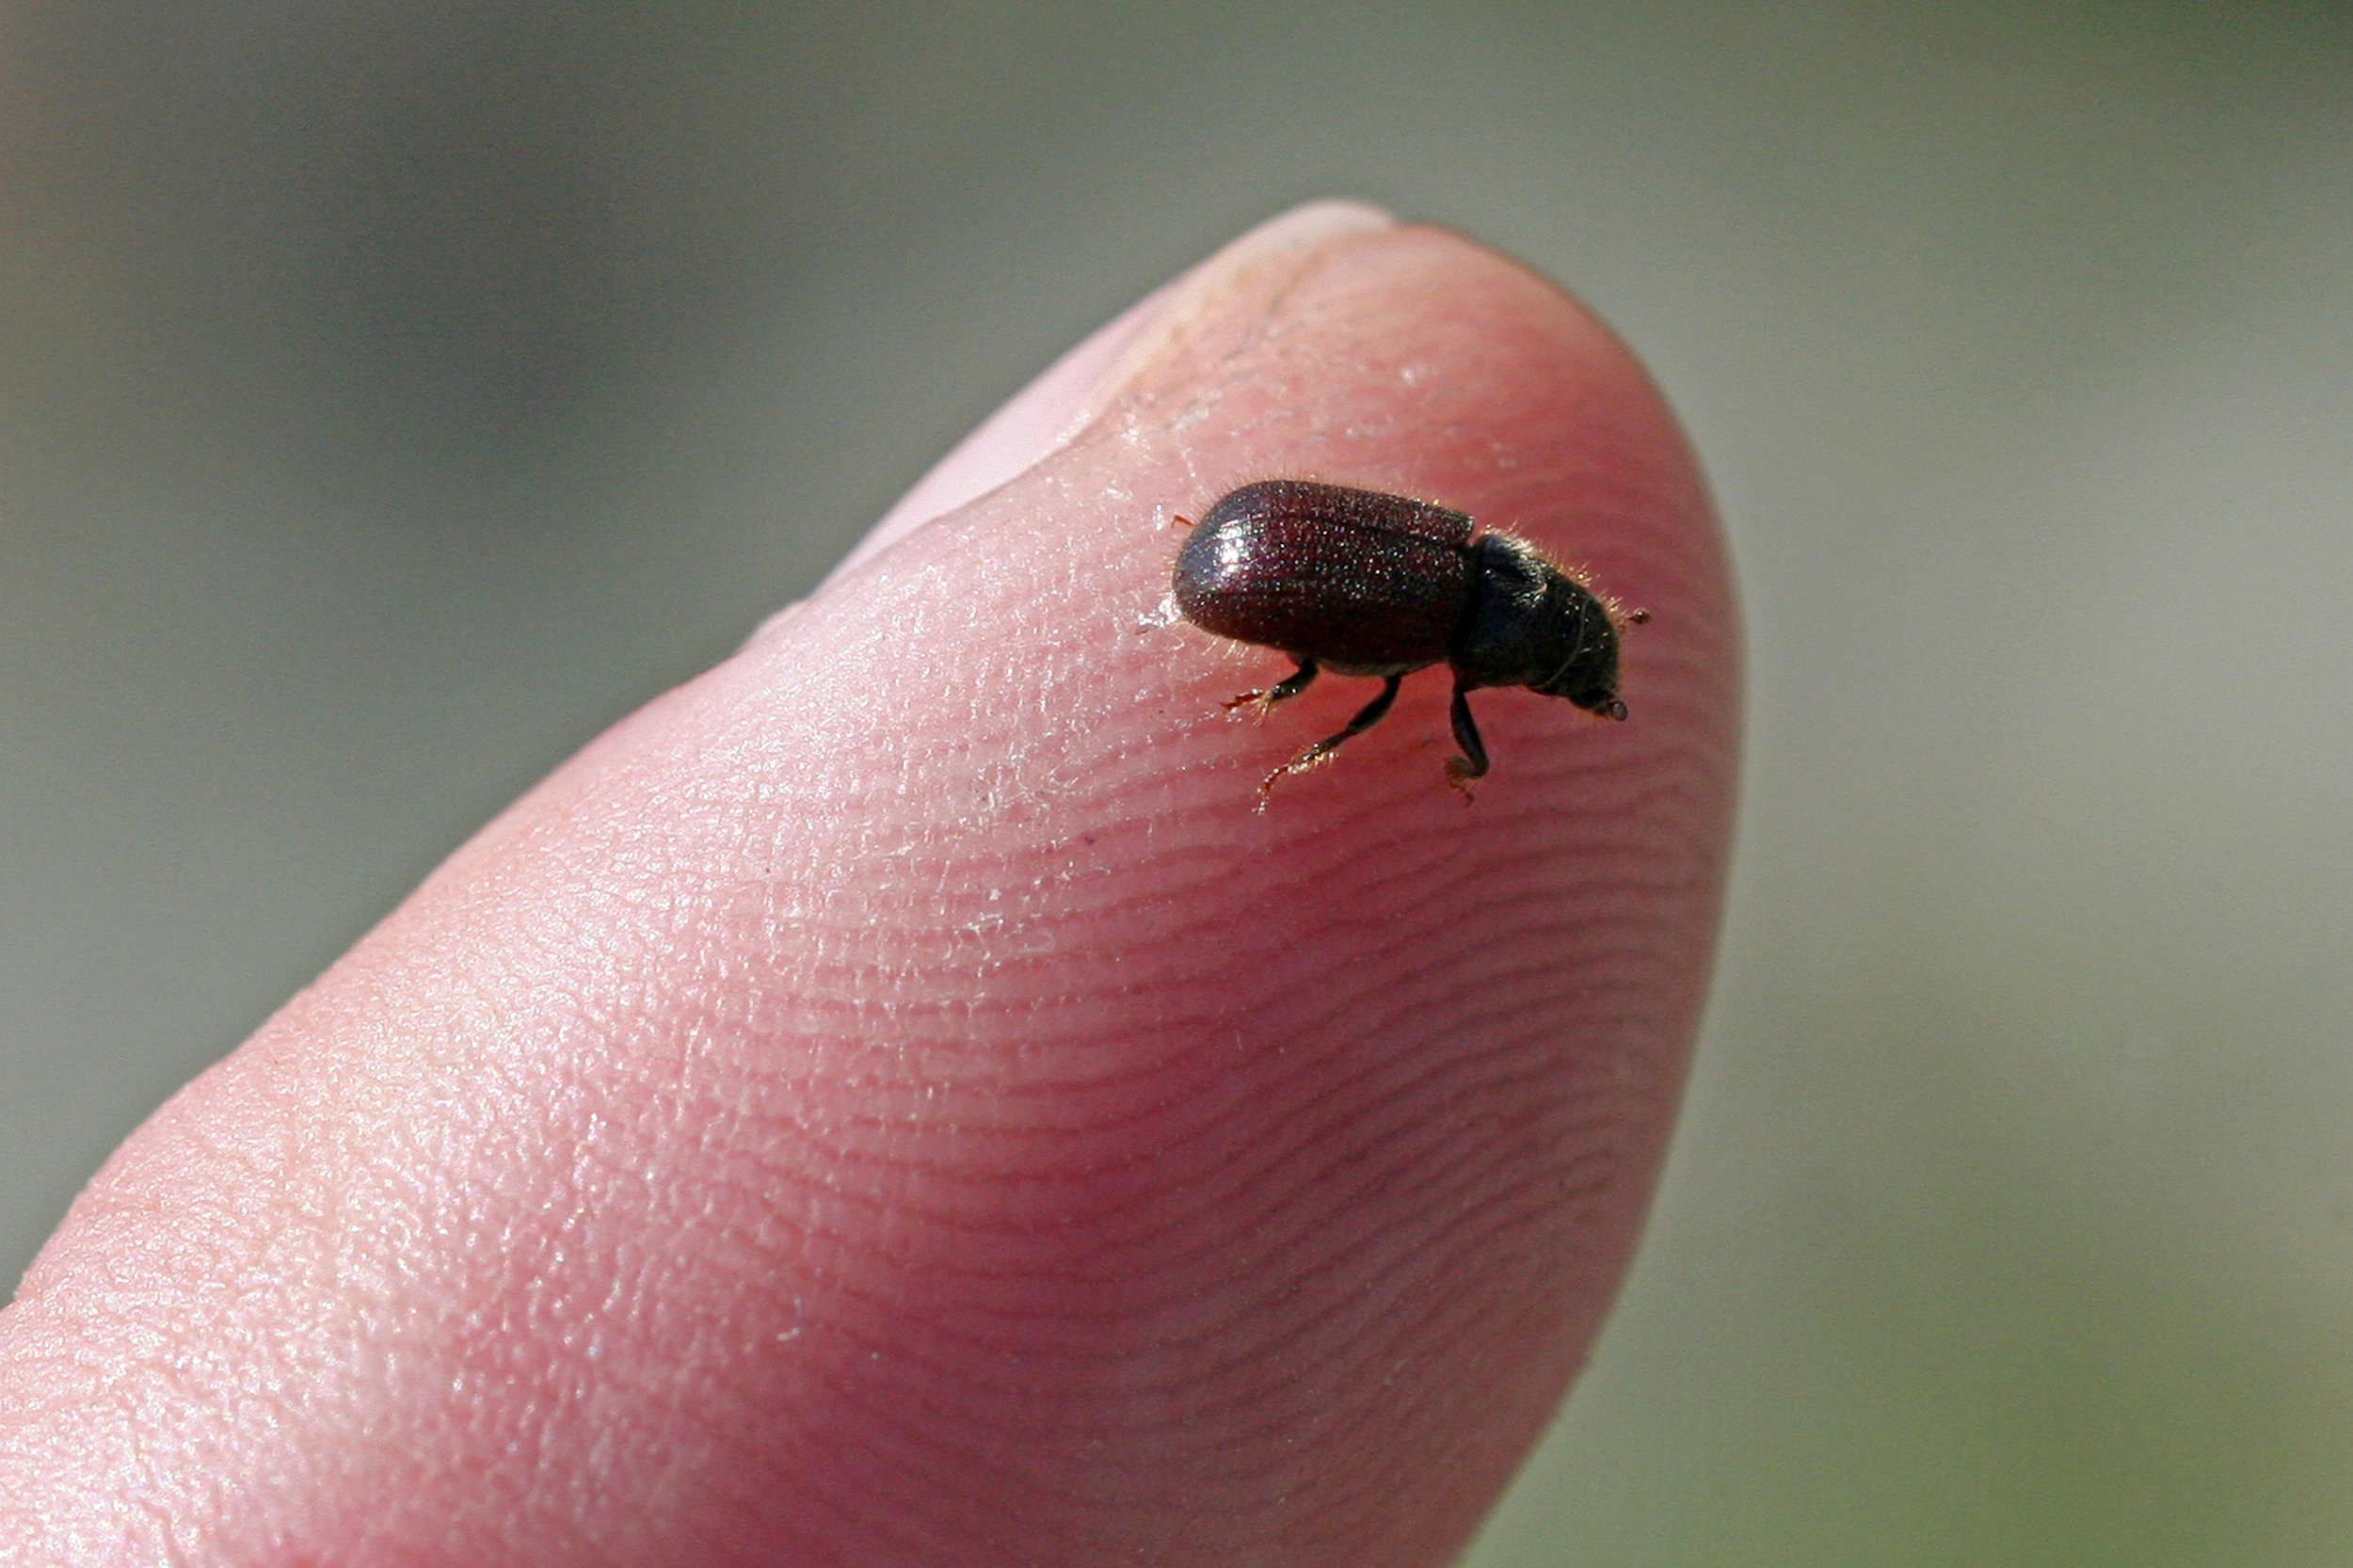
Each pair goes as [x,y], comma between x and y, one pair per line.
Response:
[393,394]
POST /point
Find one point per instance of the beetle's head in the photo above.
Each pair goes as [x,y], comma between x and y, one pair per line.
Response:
[1584,636]
[1590,678]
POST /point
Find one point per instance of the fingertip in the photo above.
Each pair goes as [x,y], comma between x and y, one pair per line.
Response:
[1436,1049]
[896,1097]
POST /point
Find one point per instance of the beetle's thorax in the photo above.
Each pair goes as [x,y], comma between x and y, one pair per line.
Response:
[1530,624]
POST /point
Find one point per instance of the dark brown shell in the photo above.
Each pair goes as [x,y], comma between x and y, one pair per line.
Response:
[1360,581]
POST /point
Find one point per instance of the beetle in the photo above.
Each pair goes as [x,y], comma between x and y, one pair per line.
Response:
[1360,583]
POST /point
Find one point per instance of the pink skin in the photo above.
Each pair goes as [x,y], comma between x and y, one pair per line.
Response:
[890,1101]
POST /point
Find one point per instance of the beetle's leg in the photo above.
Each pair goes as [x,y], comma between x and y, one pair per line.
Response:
[1472,764]
[1370,716]
[1282,691]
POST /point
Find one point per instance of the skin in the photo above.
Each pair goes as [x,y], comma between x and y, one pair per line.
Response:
[891,1101]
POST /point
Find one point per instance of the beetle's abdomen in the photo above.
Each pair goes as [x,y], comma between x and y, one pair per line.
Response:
[1323,573]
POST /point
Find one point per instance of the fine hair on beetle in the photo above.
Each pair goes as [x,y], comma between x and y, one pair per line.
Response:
[1365,584]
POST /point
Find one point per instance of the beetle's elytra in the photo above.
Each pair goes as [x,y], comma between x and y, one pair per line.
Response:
[1359,582]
